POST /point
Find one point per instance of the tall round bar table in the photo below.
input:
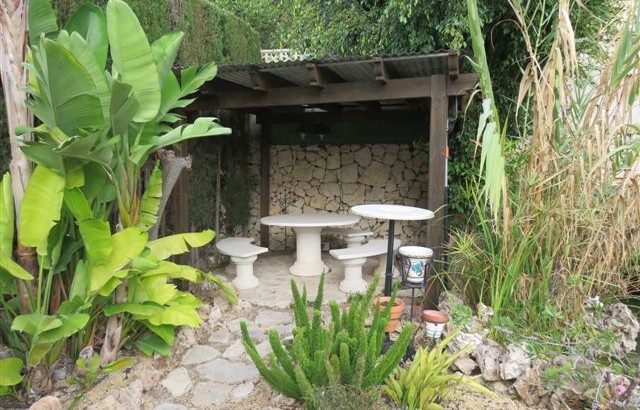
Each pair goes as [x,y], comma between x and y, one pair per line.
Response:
[391,213]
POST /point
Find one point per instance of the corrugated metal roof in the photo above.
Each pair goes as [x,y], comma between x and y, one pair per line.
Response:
[355,69]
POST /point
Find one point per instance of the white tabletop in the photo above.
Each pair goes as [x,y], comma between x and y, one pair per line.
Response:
[395,212]
[310,220]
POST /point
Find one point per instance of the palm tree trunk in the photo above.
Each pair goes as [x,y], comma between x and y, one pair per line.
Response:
[13,30]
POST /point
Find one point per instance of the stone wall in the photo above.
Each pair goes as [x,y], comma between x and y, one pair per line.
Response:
[333,178]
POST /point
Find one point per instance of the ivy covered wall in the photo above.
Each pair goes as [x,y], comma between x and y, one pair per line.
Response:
[211,33]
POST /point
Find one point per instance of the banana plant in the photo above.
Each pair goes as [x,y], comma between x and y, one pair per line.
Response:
[104,98]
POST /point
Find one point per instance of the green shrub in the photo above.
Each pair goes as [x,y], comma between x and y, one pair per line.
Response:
[344,352]
[344,397]
[427,381]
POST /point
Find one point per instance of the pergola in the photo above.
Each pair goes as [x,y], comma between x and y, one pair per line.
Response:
[393,87]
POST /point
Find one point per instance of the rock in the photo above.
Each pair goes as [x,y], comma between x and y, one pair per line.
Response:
[499,387]
[234,325]
[47,403]
[462,340]
[515,361]
[129,398]
[303,171]
[488,356]
[108,403]
[349,174]
[242,391]
[569,396]
[376,174]
[466,365]
[223,370]
[177,382]
[210,394]
[215,314]
[150,378]
[284,158]
[170,406]
[622,322]
[333,161]
[235,350]
[529,387]
[447,301]
[185,339]
[199,354]
[264,348]
[363,156]
[219,336]
[484,313]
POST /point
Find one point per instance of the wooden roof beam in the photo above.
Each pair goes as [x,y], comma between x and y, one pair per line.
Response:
[319,76]
[453,63]
[380,69]
[394,89]
[264,81]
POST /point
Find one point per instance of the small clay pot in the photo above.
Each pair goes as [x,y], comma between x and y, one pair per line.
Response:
[396,311]
[435,322]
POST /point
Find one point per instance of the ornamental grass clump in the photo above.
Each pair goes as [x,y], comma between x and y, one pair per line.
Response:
[557,210]
[342,352]
[426,381]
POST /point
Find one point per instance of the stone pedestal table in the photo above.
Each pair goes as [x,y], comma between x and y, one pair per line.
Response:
[307,228]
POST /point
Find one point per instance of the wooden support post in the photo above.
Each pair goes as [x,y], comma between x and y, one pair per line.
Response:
[437,176]
[265,186]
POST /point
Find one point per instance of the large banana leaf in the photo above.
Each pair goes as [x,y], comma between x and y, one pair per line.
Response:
[126,245]
[7,216]
[150,202]
[174,271]
[96,236]
[10,369]
[42,19]
[124,107]
[176,244]
[68,94]
[87,57]
[40,208]
[89,21]
[202,127]
[46,330]
[15,270]
[165,50]
[132,58]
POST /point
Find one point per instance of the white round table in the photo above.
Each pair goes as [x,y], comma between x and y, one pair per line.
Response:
[391,213]
[308,228]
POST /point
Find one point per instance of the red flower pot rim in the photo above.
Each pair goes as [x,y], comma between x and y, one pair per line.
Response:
[384,301]
[435,316]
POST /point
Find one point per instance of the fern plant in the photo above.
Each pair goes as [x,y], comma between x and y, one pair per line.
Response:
[342,352]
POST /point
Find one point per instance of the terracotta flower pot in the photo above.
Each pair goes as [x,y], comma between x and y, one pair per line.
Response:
[396,311]
[435,321]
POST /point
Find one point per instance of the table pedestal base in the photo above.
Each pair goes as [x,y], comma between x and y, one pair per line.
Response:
[308,256]
[353,282]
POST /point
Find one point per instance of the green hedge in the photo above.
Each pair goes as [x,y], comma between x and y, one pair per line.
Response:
[211,33]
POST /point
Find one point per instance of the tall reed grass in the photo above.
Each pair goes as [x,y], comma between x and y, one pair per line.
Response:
[560,226]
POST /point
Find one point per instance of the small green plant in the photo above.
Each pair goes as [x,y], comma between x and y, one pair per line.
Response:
[10,375]
[461,314]
[344,397]
[88,370]
[427,381]
[344,352]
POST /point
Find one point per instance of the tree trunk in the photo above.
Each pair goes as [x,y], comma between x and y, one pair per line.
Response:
[13,30]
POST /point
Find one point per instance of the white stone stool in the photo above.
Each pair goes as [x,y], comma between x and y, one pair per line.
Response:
[243,254]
